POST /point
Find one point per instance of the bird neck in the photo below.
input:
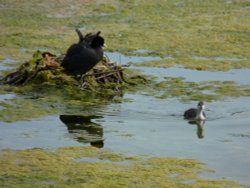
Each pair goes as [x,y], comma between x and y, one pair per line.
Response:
[200,114]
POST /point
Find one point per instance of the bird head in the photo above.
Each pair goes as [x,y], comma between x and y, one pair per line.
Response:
[94,40]
[201,105]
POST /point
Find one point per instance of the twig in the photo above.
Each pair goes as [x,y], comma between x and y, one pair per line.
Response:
[94,74]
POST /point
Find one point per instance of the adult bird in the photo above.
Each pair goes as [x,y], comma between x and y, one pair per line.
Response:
[196,113]
[84,55]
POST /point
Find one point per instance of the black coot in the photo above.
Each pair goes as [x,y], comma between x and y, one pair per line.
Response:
[196,113]
[84,55]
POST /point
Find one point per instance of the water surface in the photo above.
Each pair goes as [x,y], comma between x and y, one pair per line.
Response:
[146,125]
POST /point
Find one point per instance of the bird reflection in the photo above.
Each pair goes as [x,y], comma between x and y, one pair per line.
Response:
[84,130]
[200,127]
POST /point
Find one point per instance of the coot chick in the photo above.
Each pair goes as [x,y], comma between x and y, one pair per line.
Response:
[196,113]
[84,55]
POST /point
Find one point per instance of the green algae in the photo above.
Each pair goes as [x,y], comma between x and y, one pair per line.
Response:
[172,87]
[62,168]
[181,30]
[37,101]
[195,64]
[105,8]
[18,110]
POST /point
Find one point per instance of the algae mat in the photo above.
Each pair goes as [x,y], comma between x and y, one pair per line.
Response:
[90,167]
[194,33]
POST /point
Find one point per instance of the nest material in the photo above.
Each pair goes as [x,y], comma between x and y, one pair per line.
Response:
[45,67]
[105,73]
[29,70]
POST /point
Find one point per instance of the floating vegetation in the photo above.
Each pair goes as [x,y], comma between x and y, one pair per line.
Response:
[199,64]
[88,166]
[241,135]
[198,91]
[182,30]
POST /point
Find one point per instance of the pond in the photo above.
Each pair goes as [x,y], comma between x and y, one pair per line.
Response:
[146,125]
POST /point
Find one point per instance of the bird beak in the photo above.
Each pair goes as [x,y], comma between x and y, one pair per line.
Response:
[104,45]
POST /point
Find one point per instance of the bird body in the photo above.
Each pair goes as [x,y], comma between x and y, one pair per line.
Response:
[84,55]
[196,113]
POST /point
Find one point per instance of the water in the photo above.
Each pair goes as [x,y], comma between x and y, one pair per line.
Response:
[219,58]
[7,64]
[151,126]
[122,59]
[240,76]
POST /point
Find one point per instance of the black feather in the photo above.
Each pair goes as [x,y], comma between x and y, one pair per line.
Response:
[84,55]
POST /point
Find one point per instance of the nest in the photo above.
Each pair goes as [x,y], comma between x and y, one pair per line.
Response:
[45,67]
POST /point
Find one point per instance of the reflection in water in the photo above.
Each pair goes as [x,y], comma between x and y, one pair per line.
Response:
[83,130]
[200,127]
